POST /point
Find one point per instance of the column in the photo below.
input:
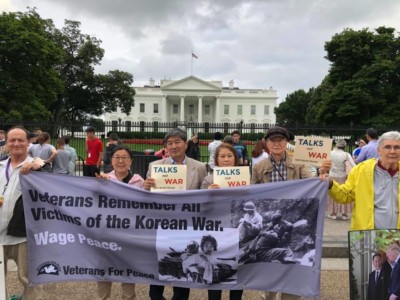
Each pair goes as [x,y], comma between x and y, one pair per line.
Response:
[164,109]
[182,114]
[200,110]
[217,110]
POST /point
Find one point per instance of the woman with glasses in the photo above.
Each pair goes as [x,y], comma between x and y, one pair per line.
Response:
[121,160]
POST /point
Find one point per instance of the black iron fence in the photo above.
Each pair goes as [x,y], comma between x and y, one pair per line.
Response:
[144,138]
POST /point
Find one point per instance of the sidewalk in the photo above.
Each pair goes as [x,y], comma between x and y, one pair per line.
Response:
[334,275]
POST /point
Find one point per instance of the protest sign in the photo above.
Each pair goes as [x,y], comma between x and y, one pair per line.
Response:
[168,178]
[312,151]
[231,176]
[83,228]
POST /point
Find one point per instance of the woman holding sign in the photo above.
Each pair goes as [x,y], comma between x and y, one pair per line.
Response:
[121,160]
[225,156]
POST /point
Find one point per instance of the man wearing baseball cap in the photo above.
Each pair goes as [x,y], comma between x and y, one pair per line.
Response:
[279,167]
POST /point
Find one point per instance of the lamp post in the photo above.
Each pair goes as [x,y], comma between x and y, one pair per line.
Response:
[119,124]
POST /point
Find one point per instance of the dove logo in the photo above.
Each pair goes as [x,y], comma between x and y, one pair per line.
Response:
[49,268]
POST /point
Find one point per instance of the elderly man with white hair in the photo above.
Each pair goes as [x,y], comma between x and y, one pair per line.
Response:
[373,186]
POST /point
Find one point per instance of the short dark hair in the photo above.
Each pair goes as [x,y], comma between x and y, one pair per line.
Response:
[176,133]
[61,141]
[122,148]
[230,148]
[217,136]
[90,129]
[236,132]
[208,238]
[66,139]
[376,254]
[372,133]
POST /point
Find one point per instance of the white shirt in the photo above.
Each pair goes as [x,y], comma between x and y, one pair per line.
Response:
[11,194]
[255,160]
[212,148]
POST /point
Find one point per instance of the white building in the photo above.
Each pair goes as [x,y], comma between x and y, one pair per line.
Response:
[192,99]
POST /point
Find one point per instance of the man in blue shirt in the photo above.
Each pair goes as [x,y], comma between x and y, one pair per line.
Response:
[371,149]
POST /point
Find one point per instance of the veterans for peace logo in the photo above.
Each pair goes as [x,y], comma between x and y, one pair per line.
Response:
[49,268]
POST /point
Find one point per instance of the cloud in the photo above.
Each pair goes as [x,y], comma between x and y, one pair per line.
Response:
[258,43]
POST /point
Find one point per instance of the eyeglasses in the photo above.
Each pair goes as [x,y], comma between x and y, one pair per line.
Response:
[390,148]
[123,158]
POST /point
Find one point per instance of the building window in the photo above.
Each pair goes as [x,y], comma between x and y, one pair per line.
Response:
[207,109]
[155,126]
[266,109]
[155,108]
[175,108]
[252,110]
[226,109]
[191,109]
[142,125]
[240,109]
[142,107]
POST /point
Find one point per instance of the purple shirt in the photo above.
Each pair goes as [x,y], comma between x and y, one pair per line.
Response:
[370,150]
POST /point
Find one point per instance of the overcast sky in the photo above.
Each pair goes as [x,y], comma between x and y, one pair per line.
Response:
[258,44]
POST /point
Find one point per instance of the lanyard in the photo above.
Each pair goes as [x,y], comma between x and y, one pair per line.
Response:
[7,175]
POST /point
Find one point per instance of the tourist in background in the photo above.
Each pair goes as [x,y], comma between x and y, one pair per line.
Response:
[74,156]
[193,147]
[44,150]
[258,153]
[62,160]
[212,147]
[339,159]
[110,146]
[238,144]
[371,149]
[94,151]
[361,142]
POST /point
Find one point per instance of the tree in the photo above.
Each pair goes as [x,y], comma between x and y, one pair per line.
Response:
[294,109]
[48,74]
[363,84]
[29,81]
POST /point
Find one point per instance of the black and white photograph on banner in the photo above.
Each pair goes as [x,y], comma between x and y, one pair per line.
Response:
[374,264]
[204,257]
[277,231]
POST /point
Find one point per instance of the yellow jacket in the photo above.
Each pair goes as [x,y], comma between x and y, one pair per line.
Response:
[359,188]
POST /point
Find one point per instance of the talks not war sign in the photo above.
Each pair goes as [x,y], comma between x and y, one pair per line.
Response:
[263,237]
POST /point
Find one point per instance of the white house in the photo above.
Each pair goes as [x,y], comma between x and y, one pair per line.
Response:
[192,99]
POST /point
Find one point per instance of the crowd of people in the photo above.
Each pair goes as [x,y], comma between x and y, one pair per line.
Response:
[370,188]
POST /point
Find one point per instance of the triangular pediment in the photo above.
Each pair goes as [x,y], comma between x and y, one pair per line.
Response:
[191,83]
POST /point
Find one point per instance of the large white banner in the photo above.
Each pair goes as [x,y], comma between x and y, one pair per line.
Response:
[263,237]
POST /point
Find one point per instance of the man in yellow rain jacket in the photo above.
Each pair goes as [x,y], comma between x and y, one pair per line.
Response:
[373,186]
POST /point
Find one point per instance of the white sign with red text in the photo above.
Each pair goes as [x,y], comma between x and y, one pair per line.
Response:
[231,176]
[169,178]
[312,151]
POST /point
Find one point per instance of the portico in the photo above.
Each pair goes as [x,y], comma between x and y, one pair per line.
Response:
[192,99]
